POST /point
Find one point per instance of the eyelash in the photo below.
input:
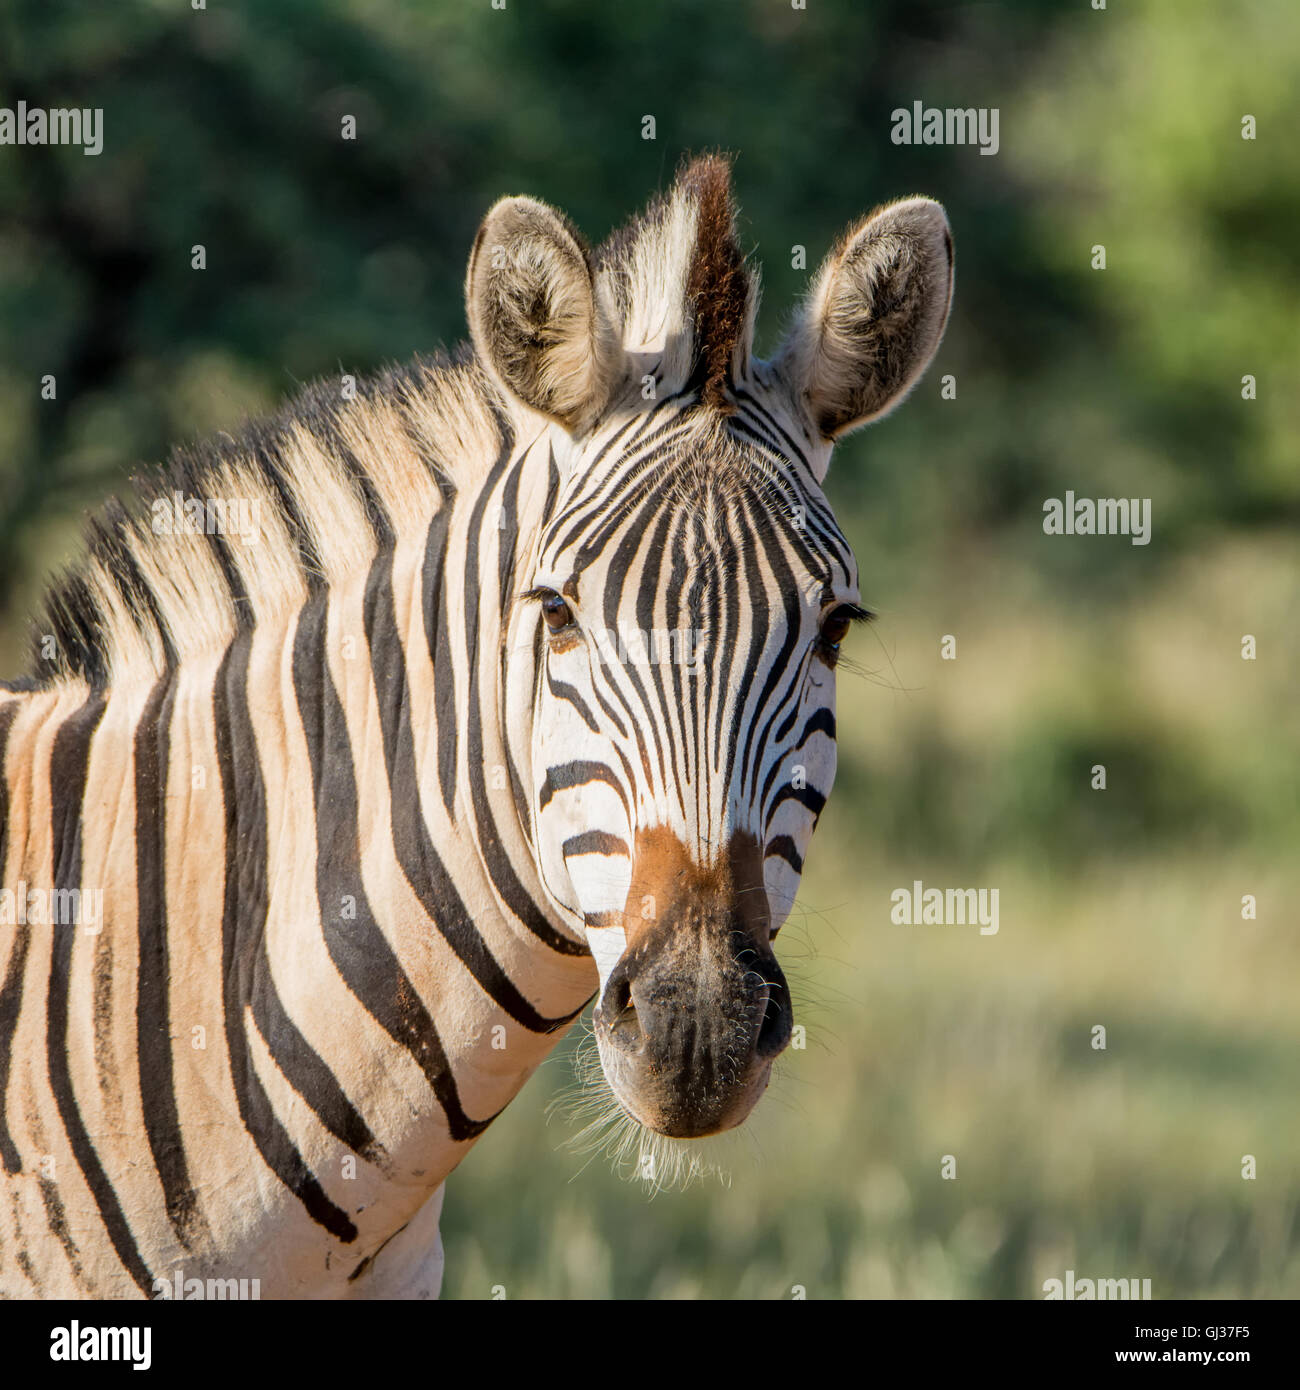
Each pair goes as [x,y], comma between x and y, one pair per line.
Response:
[852,611]
[845,614]
[545,596]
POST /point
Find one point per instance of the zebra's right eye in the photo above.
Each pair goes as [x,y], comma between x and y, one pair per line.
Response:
[557,613]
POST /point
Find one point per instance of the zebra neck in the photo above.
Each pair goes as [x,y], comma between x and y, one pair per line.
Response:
[323,962]
[396,966]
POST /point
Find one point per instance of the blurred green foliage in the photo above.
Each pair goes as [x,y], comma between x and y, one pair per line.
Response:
[1120,128]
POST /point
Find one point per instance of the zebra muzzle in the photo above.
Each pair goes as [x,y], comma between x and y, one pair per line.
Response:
[690,1019]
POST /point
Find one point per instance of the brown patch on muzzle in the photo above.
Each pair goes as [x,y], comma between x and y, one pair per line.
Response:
[697,1007]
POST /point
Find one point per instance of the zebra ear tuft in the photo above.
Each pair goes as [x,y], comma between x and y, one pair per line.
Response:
[874,317]
[535,316]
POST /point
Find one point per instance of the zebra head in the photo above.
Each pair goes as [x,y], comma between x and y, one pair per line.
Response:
[683,600]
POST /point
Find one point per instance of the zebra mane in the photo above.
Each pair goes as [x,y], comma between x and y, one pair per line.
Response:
[332,477]
[680,286]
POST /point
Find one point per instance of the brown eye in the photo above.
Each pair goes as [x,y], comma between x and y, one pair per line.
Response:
[835,628]
[557,613]
[836,624]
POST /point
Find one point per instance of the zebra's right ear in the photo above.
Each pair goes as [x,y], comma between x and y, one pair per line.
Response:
[874,318]
[535,316]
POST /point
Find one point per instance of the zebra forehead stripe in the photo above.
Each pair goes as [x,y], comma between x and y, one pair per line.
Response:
[707,530]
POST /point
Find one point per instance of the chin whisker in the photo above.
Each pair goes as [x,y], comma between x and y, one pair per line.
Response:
[637,1154]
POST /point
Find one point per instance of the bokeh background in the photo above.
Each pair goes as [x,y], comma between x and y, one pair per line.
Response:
[1121,907]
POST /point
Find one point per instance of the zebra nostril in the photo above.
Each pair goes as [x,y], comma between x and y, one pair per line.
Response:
[624,1027]
[777,1026]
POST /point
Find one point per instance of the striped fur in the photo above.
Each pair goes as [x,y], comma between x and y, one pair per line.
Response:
[359,819]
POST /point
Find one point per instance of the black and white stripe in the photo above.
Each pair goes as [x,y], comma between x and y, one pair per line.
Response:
[361,796]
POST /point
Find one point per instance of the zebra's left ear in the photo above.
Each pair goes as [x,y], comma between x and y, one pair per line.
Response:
[874,318]
[535,316]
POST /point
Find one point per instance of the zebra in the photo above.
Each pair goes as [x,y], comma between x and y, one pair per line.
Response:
[520,691]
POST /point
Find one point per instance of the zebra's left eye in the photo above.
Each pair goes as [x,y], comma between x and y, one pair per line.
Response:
[835,625]
[557,613]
